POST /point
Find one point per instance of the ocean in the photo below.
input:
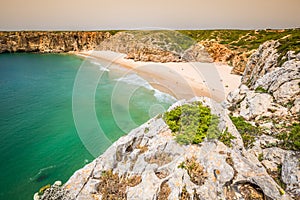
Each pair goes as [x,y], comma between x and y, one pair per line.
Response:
[58,112]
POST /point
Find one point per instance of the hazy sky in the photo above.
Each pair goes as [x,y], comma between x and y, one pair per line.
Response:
[142,14]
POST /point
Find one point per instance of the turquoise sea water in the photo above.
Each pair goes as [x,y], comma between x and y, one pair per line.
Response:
[39,142]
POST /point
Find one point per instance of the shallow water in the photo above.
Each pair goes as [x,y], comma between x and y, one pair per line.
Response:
[40,142]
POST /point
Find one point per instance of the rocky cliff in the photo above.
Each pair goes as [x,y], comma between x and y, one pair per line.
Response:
[275,85]
[156,46]
[149,164]
[232,47]
[270,98]
[50,42]
[260,160]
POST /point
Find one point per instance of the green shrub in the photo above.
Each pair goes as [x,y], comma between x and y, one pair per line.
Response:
[192,123]
[247,131]
[260,89]
[146,130]
[291,139]
[260,157]
[226,138]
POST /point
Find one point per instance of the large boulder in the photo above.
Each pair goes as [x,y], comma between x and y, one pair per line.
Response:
[283,82]
[255,104]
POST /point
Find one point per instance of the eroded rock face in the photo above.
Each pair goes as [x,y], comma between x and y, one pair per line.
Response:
[222,54]
[50,42]
[269,98]
[255,104]
[218,172]
[273,90]
[283,82]
[156,46]
[291,173]
[197,53]
[261,62]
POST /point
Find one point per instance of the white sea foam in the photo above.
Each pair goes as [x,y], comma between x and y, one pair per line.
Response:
[164,97]
[134,79]
[101,67]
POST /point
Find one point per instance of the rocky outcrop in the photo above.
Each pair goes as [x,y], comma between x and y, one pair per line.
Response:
[269,98]
[142,47]
[261,62]
[156,46]
[221,53]
[50,42]
[197,53]
[218,52]
[282,82]
[268,89]
[148,164]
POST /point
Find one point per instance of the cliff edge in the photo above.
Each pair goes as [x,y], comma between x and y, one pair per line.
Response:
[50,41]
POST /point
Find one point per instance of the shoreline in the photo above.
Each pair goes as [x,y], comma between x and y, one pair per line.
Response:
[181,80]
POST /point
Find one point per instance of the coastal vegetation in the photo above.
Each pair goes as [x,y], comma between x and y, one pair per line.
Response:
[243,42]
[113,186]
[226,138]
[260,89]
[290,138]
[196,171]
[168,40]
[191,123]
[249,39]
[247,131]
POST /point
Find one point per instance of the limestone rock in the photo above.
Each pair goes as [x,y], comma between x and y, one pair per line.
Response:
[158,160]
[261,62]
[156,46]
[218,52]
[298,56]
[50,42]
[255,104]
[283,82]
[273,90]
[291,173]
[197,53]
[57,183]
[296,107]
[237,95]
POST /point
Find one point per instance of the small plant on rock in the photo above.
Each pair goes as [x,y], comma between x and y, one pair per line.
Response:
[113,186]
[195,171]
[226,138]
[260,89]
[291,139]
[247,131]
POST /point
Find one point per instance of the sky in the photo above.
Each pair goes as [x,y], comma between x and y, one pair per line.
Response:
[144,14]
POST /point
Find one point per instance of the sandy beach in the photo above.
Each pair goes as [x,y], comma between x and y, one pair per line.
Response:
[181,80]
